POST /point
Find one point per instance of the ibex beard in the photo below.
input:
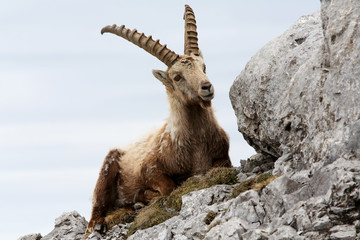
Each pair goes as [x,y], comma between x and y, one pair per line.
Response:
[190,142]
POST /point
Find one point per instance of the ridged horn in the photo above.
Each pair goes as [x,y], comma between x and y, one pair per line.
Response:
[191,39]
[147,43]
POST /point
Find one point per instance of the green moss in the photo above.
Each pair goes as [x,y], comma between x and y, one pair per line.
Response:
[264,177]
[121,215]
[242,187]
[210,217]
[164,208]
[220,176]
[150,216]
[214,177]
[174,200]
[256,183]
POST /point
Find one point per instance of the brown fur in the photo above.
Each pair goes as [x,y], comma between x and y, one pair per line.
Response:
[190,142]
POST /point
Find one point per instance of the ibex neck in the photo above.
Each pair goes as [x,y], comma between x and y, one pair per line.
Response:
[190,121]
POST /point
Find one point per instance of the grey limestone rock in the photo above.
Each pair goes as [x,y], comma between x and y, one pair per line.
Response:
[344,232]
[68,226]
[36,236]
[189,224]
[296,101]
[231,229]
[298,96]
[116,232]
[258,92]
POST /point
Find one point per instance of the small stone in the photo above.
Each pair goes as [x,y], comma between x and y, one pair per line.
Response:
[322,224]
[231,229]
[36,236]
[343,232]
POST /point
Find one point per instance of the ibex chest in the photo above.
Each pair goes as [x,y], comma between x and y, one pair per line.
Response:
[195,153]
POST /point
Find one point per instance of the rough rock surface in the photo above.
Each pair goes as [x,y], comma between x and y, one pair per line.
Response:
[297,103]
[268,119]
[298,97]
[68,226]
[117,232]
[36,236]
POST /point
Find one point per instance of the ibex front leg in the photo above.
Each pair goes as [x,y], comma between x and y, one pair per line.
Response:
[158,184]
[105,193]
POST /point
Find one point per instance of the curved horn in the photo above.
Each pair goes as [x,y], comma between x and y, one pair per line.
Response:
[191,40]
[147,43]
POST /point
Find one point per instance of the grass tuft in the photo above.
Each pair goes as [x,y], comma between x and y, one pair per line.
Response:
[166,207]
[210,217]
[163,208]
[257,183]
[121,215]
[151,215]
[214,177]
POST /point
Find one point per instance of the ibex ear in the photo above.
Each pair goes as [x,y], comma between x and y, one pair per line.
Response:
[163,77]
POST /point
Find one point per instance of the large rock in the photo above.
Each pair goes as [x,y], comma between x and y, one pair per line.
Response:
[189,224]
[297,102]
[36,236]
[299,95]
[68,226]
[272,122]
[299,207]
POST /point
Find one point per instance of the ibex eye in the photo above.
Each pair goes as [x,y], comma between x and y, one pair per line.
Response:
[204,68]
[177,78]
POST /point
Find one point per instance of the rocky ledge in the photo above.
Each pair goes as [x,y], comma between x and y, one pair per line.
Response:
[297,104]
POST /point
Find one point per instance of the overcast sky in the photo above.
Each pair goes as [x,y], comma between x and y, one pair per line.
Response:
[69,94]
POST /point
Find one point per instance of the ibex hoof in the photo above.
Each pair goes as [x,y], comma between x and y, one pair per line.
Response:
[100,227]
[138,205]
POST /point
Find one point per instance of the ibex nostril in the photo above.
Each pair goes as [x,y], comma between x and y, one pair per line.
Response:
[206,87]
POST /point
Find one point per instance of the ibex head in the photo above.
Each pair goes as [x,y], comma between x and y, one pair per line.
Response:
[185,79]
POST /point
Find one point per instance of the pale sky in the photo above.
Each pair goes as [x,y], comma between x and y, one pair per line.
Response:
[69,94]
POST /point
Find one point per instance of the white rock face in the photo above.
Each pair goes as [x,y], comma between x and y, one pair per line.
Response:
[298,207]
[299,95]
[297,101]
[36,236]
[189,224]
[258,93]
[68,226]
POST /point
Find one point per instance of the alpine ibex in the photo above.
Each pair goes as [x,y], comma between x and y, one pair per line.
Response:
[189,143]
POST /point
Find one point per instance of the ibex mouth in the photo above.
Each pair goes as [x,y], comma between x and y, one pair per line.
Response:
[208,97]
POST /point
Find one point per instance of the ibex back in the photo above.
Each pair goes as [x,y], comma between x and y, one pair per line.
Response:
[190,142]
